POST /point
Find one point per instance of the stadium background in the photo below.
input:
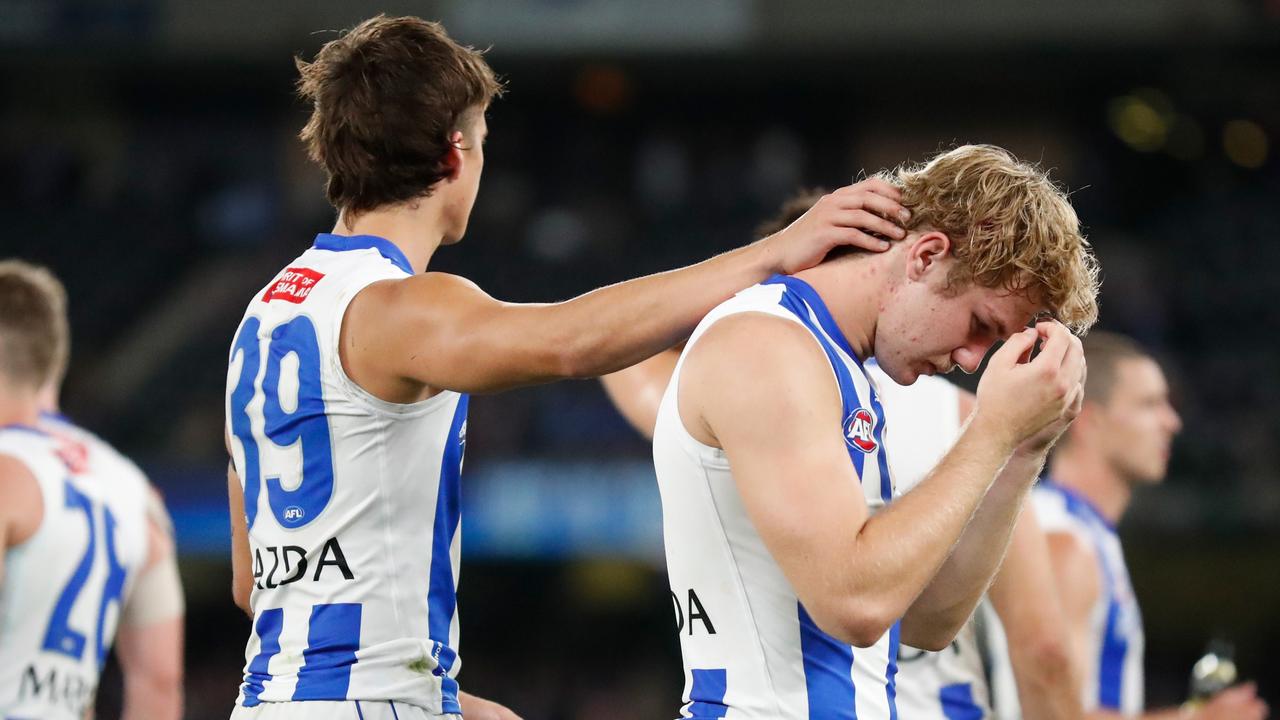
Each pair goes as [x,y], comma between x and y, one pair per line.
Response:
[148,155]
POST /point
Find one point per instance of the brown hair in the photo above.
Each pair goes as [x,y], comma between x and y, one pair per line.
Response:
[790,211]
[386,96]
[1010,226]
[34,339]
[1103,352]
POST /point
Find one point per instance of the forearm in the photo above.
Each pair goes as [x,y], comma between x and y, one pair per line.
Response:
[950,598]
[617,326]
[903,547]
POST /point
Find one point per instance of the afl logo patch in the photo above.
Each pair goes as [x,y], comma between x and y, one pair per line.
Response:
[294,514]
[860,430]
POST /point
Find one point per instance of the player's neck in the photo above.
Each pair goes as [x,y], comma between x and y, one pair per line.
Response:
[416,228]
[18,407]
[852,287]
[1093,477]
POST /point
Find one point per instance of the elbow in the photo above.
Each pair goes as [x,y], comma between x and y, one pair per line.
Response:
[577,358]
[1046,663]
[861,625]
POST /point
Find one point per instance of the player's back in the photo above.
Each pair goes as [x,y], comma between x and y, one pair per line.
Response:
[751,650]
[65,586]
[351,501]
[923,422]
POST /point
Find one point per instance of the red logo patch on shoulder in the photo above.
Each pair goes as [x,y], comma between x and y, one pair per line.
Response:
[293,285]
[860,430]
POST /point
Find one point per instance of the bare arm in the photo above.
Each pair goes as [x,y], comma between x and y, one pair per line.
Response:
[444,332]
[854,573]
[1023,595]
[241,559]
[637,391]
[149,643]
[23,508]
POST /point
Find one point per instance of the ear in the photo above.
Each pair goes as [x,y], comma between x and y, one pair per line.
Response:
[1090,421]
[925,251]
[453,156]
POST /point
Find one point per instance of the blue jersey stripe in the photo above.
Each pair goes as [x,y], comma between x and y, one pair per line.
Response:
[267,628]
[333,637]
[706,695]
[891,672]
[828,672]
[359,712]
[442,594]
[957,702]
[1111,664]
[798,304]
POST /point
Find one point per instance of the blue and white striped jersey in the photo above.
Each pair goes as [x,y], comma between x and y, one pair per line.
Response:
[64,589]
[1113,680]
[751,650]
[351,501]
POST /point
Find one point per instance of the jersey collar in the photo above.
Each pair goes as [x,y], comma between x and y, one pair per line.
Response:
[386,248]
[1077,501]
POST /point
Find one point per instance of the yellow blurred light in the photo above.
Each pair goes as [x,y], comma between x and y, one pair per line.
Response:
[1138,123]
[1245,143]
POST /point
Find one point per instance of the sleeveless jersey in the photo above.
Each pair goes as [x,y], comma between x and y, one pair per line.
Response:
[64,588]
[924,422]
[751,651]
[1113,680]
[351,501]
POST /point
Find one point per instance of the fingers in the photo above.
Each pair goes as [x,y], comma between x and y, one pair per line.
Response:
[1014,348]
[875,195]
[1057,341]
[864,220]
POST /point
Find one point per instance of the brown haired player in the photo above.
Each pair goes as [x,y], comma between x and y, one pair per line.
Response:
[347,380]
[769,444]
[87,559]
[1121,441]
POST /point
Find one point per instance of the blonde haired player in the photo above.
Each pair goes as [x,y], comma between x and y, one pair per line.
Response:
[925,419]
[769,444]
[88,559]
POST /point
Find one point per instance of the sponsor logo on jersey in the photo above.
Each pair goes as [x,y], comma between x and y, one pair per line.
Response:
[860,430]
[293,285]
[294,513]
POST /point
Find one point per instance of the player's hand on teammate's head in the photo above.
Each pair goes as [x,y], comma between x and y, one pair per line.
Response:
[1238,702]
[864,215]
[1032,400]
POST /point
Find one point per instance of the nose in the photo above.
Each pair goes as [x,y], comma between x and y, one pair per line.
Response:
[969,358]
[1174,420]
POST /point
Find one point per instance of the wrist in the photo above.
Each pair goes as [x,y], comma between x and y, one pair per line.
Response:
[994,431]
[764,258]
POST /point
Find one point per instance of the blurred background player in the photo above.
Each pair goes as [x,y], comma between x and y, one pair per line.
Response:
[88,554]
[926,417]
[1120,443]
[796,595]
[348,380]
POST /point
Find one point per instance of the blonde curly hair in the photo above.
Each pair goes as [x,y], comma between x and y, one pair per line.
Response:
[1010,226]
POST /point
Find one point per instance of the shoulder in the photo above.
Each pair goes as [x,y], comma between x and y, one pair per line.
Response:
[756,364]
[425,297]
[1075,563]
